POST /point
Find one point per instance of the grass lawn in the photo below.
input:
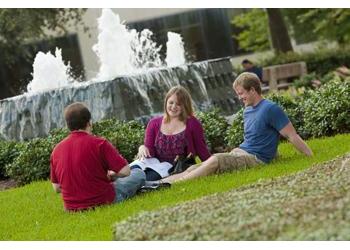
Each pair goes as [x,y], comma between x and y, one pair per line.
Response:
[35,212]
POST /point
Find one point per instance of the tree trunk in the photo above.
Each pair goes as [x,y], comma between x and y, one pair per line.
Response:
[278,31]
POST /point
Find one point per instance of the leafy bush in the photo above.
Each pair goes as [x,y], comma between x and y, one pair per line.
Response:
[234,135]
[9,151]
[313,81]
[321,61]
[58,134]
[327,110]
[125,136]
[215,126]
[33,161]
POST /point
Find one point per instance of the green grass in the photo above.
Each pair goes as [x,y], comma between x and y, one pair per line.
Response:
[35,212]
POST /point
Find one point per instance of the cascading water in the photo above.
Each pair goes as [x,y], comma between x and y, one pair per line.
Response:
[131,83]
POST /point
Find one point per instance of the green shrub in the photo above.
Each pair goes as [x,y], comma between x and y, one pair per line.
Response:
[321,61]
[58,134]
[33,161]
[125,136]
[215,126]
[327,109]
[234,135]
[9,151]
[313,81]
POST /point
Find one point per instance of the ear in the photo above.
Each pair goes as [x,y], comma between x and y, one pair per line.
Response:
[89,124]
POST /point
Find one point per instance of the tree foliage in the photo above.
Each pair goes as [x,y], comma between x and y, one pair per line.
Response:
[304,25]
[329,24]
[255,32]
[19,27]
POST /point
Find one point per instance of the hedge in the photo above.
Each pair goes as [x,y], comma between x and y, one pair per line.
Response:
[316,113]
[320,61]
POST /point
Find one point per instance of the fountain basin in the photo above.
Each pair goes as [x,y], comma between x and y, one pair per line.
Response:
[126,97]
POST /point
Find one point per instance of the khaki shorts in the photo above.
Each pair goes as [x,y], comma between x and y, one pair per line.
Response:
[237,159]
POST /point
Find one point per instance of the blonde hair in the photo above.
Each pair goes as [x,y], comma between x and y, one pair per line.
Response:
[248,81]
[184,99]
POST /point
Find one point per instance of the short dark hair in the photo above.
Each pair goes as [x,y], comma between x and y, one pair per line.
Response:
[248,81]
[77,115]
[245,61]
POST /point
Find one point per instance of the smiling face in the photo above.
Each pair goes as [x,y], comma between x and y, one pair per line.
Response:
[248,97]
[173,107]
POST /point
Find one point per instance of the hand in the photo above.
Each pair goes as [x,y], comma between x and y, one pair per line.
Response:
[111,175]
[143,153]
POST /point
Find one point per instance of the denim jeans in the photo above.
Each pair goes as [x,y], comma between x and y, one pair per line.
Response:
[127,187]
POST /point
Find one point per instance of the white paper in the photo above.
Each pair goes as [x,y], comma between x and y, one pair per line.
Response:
[162,168]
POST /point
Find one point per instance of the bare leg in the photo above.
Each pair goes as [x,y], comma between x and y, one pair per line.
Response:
[174,177]
[205,168]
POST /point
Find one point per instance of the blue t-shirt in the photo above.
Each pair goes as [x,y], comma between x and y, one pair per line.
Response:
[262,124]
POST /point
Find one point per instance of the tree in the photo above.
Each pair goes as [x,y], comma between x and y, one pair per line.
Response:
[21,29]
[328,24]
[278,31]
[254,35]
[262,30]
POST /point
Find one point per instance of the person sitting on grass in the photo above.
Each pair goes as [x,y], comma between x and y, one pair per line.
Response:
[264,122]
[176,133]
[88,170]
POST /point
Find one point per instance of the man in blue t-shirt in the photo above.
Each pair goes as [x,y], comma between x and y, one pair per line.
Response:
[264,122]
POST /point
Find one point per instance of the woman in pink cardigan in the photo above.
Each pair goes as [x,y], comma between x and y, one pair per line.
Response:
[175,133]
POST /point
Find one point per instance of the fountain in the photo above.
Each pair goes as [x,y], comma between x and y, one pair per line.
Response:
[129,85]
[48,68]
[175,54]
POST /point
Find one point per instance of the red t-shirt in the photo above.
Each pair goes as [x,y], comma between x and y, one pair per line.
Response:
[79,165]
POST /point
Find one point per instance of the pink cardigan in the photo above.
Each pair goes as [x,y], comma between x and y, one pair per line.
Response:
[194,137]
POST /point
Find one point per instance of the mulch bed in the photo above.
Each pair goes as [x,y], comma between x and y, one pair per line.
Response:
[7,184]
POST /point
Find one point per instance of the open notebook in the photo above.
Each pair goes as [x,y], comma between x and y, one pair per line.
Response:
[162,168]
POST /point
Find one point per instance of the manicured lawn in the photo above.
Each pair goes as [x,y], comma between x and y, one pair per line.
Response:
[35,212]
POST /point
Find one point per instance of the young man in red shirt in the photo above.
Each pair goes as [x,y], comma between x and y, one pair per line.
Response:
[87,169]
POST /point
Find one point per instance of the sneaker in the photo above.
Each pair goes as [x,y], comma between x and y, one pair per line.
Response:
[154,186]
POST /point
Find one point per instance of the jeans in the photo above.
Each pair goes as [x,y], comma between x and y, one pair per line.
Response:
[127,187]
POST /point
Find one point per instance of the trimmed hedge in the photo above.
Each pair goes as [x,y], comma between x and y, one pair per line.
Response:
[9,151]
[215,126]
[327,110]
[320,112]
[125,136]
[33,161]
[321,61]
[234,135]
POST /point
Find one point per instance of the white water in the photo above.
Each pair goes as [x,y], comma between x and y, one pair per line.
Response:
[49,71]
[175,54]
[120,51]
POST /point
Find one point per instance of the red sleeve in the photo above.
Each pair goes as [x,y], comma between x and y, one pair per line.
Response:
[112,158]
[53,177]
[150,135]
[199,140]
